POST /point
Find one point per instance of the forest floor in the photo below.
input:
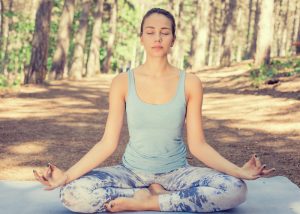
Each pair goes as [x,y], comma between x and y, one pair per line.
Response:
[61,121]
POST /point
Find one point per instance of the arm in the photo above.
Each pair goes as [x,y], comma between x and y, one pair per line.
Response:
[108,144]
[201,149]
[53,177]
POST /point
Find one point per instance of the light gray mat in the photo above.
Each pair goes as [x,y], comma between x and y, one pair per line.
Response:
[277,195]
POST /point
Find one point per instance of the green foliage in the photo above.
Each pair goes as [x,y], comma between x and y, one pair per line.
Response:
[19,49]
[276,69]
[3,81]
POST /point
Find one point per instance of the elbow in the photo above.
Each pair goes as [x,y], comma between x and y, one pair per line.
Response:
[197,149]
[108,146]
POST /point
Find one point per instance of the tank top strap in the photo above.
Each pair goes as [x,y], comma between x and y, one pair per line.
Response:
[130,82]
[181,86]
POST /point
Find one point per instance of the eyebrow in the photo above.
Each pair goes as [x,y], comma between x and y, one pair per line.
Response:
[161,28]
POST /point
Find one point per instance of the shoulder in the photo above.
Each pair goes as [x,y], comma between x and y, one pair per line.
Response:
[119,84]
[193,84]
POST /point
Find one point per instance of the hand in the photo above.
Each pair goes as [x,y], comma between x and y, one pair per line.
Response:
[52,177]
[253,169]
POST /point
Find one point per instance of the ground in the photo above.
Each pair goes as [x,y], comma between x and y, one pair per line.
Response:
[59,122]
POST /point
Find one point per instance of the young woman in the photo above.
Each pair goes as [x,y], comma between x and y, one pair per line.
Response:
[154,174]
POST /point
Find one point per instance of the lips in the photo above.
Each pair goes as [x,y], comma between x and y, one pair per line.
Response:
[157,47]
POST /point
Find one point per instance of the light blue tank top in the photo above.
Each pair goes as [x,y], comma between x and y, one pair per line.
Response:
[155,131]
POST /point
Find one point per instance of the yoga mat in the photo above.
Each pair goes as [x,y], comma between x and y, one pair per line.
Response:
[276,195]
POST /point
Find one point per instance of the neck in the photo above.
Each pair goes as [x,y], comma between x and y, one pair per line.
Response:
[157,66]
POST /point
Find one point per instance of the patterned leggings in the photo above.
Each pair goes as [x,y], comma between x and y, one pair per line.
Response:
[192,189]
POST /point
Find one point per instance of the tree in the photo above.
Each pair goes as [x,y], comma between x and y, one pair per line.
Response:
[177,50]
[265,33]
[111,38]
[93,65]
[227,33]
[1,20]
[77,67]
[59,64]
[38,63]
[201,34]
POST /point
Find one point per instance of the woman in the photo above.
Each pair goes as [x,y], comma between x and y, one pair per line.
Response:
[154,173]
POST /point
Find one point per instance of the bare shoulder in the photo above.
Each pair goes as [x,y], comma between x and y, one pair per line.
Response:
[120,83]
[193,83]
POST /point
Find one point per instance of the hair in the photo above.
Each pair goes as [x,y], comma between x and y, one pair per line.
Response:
[162,12]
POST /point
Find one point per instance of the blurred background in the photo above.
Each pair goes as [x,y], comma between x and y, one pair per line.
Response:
[42,40]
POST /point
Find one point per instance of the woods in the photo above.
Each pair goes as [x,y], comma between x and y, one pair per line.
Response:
[52,40]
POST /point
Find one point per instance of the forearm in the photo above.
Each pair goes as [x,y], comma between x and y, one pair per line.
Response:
[210,157]
[98,154]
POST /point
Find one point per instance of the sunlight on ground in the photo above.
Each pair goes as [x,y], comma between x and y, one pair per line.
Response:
[19,173]
[26,148]
[256,112]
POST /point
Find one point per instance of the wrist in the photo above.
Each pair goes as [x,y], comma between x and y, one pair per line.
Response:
[67,178]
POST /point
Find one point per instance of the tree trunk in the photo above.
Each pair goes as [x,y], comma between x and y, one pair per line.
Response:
[77,67]
[93,65]
[177,49]
[265,33]
[255,27]
[111,39]
[228,31]
[202,34]
[60,58]
[296,28]
[1,21]
[240,41]
[6,45]
[38,64]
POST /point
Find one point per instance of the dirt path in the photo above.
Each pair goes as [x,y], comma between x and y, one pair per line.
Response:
[62,121]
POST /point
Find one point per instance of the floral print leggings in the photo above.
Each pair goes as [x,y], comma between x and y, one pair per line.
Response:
[192,189]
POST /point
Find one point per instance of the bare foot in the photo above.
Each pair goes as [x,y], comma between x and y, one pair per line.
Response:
[141,200]
[157,189]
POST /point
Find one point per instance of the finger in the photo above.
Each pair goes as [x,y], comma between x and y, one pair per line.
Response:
[39,178]
[52,167]
[252,160]
[48,173]
[257,161]
[268,171]
[260,171]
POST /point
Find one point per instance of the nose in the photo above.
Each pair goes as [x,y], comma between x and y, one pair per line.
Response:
[158,37]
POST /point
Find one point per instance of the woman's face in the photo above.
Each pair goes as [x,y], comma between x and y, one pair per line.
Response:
[157,37]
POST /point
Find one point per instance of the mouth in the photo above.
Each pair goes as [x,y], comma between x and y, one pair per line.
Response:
[157,47]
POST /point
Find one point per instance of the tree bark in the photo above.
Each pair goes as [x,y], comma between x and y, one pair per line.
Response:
[265,33]
[240,41]
[111,39]
[6,45]
[60,58]
[177,50]
[228,31]
[38,64]
[255,27]
[202,32]
[1,21]
[77,67]
[93,65]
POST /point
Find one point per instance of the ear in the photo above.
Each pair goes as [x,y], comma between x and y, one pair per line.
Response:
[141,40]
[173,41]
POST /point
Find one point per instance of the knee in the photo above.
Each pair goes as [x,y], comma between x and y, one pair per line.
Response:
[239,192]
[81,199]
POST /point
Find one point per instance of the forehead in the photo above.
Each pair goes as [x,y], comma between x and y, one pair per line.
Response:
[157,21]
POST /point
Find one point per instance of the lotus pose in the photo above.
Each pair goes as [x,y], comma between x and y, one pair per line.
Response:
[154,174]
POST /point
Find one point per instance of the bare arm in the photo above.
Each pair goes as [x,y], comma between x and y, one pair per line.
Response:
[108,144]
[201,149]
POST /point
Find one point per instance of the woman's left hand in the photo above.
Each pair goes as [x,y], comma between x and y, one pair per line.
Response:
[253,169]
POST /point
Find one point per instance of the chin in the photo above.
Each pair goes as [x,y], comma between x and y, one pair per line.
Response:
[158,54]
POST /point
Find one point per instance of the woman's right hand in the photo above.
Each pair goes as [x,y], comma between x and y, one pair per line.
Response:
[52,177]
